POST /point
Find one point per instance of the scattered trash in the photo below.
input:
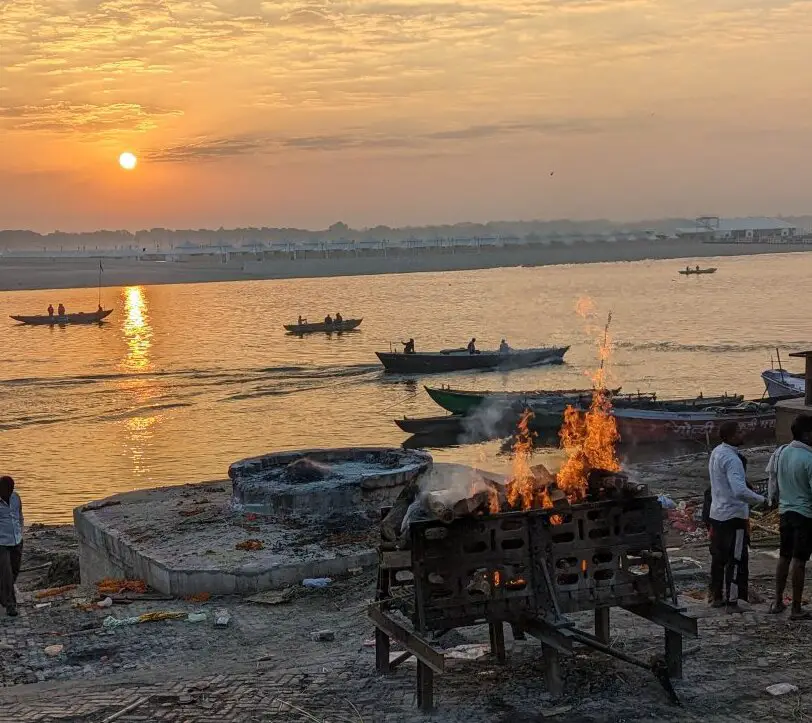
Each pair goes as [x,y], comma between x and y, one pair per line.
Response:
[110,586]
[317,582]
[196,617]
[111,622]
[40,606]
[54,591]
[782,689]
[323,636]
[273,597]
[666,502]
[250,545]
[53,650]
[221,618]
[191,513]
[106,603]
[251,517]
[469,651]
[552,712]
[198,597]
[368,643]
[355,570]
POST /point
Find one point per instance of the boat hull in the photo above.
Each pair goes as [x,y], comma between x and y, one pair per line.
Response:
[697,272]
[458,401]
[345,325]
[780,383]
[93,317]
[640,427]
[438,362]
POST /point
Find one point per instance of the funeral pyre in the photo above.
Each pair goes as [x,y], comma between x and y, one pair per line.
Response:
[462,547]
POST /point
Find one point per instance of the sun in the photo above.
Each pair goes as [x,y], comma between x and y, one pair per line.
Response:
[127,161]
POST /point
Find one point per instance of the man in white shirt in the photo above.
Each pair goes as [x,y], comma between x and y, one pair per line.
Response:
[11,543]
[729,520]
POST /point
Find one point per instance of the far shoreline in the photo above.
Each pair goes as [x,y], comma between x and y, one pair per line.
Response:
[29,274]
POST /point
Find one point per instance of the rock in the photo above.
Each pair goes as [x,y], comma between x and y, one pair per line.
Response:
[106,603]
[53,650]
[323,636]
[782,689]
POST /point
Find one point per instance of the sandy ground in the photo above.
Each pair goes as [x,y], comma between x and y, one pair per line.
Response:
[65,273]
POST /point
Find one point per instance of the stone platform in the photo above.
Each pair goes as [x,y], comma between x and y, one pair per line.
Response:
[259,534]
[785,413]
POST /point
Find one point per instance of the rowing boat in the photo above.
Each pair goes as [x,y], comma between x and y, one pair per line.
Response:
[82,317]
[452,360]
[461,401]
[335,327]
[694,272]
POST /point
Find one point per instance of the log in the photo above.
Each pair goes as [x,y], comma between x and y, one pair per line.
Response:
[391,524]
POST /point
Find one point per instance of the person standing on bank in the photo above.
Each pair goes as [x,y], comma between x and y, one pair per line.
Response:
[11,543]
[729,520]
[792,465]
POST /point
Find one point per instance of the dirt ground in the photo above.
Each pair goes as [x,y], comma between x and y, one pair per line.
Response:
[60,662]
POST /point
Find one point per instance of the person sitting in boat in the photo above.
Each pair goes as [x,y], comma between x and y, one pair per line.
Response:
[300,319]
[50,309]
[472,346]
[697,267]
[328,320]
[339,318]
[60,310]
[100,310]
[503,347]
[408,346]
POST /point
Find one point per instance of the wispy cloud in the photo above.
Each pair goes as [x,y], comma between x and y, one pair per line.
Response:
[89,118]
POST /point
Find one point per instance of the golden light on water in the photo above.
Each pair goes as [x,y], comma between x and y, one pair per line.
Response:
[137,330]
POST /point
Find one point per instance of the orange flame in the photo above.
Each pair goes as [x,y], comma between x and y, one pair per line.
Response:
[521,491]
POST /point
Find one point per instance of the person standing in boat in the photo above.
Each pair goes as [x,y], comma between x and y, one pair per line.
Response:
[729,520]
[60,310]
[300,319]
[503,347]
[472,346]
[408,346]
[11,543]
[50,309]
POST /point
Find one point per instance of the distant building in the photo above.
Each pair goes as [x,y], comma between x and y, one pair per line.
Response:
[755,229]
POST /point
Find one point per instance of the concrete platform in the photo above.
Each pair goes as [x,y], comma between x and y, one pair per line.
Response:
[785,413]
[182,541]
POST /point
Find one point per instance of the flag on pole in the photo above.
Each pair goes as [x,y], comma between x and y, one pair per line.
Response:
[101,268]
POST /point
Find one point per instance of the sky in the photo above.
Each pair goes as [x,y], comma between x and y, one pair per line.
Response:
[401,112]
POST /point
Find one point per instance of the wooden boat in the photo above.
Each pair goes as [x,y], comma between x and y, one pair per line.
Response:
[452,360]
[82,317]
[693,272]
[335,327]
[640,426]
[443,425]
[460,401]
[779,382]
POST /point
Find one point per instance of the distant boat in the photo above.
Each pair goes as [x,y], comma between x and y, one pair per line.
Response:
[690,272]
[452,360]
[783,383]
[335,327]
[82,317]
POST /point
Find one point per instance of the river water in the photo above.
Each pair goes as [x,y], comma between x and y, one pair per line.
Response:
[186,379]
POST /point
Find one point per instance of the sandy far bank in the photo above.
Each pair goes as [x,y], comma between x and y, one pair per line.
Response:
[70,273]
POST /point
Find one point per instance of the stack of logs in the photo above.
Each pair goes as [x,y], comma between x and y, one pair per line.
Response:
[488,495]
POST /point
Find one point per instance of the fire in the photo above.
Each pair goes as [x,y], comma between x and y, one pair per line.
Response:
[587,438]
[522,490]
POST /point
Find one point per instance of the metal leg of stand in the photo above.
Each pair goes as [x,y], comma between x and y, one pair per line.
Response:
[381,651]
[425,686]
[552,671]
[497,635]
[673,654]
[602,625]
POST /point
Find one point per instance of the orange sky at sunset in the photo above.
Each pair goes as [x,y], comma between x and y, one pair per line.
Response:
[250,112]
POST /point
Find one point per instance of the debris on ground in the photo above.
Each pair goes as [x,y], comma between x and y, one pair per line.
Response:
[273,597]
[250,544]
[323,636]
[782,689]
[221,618]
[317,582]
[110,586]
[54,592]
[53,650]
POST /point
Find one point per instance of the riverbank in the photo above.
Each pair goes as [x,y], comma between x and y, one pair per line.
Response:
[69,272]
[308,654]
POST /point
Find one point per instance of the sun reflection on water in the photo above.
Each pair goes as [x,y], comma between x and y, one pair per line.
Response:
[139,435]
[137,330]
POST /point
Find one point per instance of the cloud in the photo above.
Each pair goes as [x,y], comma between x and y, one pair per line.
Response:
[67,117]
[360,140]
